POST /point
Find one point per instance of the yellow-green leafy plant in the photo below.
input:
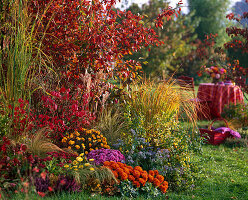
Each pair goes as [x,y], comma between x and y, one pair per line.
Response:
[153,109]
[84,140]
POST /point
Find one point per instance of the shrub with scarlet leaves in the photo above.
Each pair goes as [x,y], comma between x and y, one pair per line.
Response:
[16,119]
[63,112]
[93,36]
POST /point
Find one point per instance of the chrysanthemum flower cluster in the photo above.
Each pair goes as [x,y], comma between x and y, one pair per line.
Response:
[85,140]
[102,155]
[137,175]
[80,162]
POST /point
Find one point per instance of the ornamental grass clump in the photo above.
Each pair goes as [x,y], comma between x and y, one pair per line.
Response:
[89,176]
[85,141]
[153,110]
[137,175]
[102,155]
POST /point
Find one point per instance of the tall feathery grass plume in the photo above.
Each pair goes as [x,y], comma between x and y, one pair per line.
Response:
[158,107]
[21,55]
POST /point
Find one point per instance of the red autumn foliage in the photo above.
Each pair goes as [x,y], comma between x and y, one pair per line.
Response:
[85,34]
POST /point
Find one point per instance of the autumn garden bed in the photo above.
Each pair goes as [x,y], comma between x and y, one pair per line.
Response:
[79,119]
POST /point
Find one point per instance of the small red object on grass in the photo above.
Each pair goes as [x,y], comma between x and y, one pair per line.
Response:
[214,137]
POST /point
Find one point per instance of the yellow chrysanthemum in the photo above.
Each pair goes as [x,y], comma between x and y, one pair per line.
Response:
[86,152]
[90,145]
[66,166]
[87,164]
[77,147]
[101,144]
[71,142]
[79,159]
[77,133]
[96,148]
[69,147]
[91,159]
[89,139]
[71,136]
[92,169]
[81,154]
[75,162]
[80,166]
[75,169]
[91,149]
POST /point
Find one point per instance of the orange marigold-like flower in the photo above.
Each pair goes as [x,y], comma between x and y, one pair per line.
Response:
[124,176]
[131,178]
[144,175]
[136,173]
[107,163]
[138,168]
[121,164]
[142,181]
[163,188]
[156,172]
[115,173]
[165,183]
[114,166]
[150,178]
[130,167]
[136,183]
[119,170]
[156,182]
[126,170]
[152,173]
[160,178]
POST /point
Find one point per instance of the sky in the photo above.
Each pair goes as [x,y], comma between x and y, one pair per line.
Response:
[173,3]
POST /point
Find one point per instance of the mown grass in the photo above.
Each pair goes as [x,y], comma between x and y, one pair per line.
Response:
[223,174]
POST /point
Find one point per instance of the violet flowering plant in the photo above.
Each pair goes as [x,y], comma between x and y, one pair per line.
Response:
[102,155]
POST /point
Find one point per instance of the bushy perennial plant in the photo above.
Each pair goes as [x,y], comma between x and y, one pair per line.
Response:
[85,141]
[137,175]
[102,155]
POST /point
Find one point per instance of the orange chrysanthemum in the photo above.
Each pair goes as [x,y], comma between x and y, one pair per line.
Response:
[156,182]
[156,172]
[152,173]
[136,173]
[120,170]
[126,170]
[115,173]
[142,181]
[124,176]
[165,183]
[160,178]
[163,188]
[121,164]
[107,163]
[150,178]
[131,178]
[136,183]
[144,175]
[138,168]
[114,166]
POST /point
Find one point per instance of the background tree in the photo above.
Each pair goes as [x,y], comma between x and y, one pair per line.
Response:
[236,53]
[176,36]
[211,14]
